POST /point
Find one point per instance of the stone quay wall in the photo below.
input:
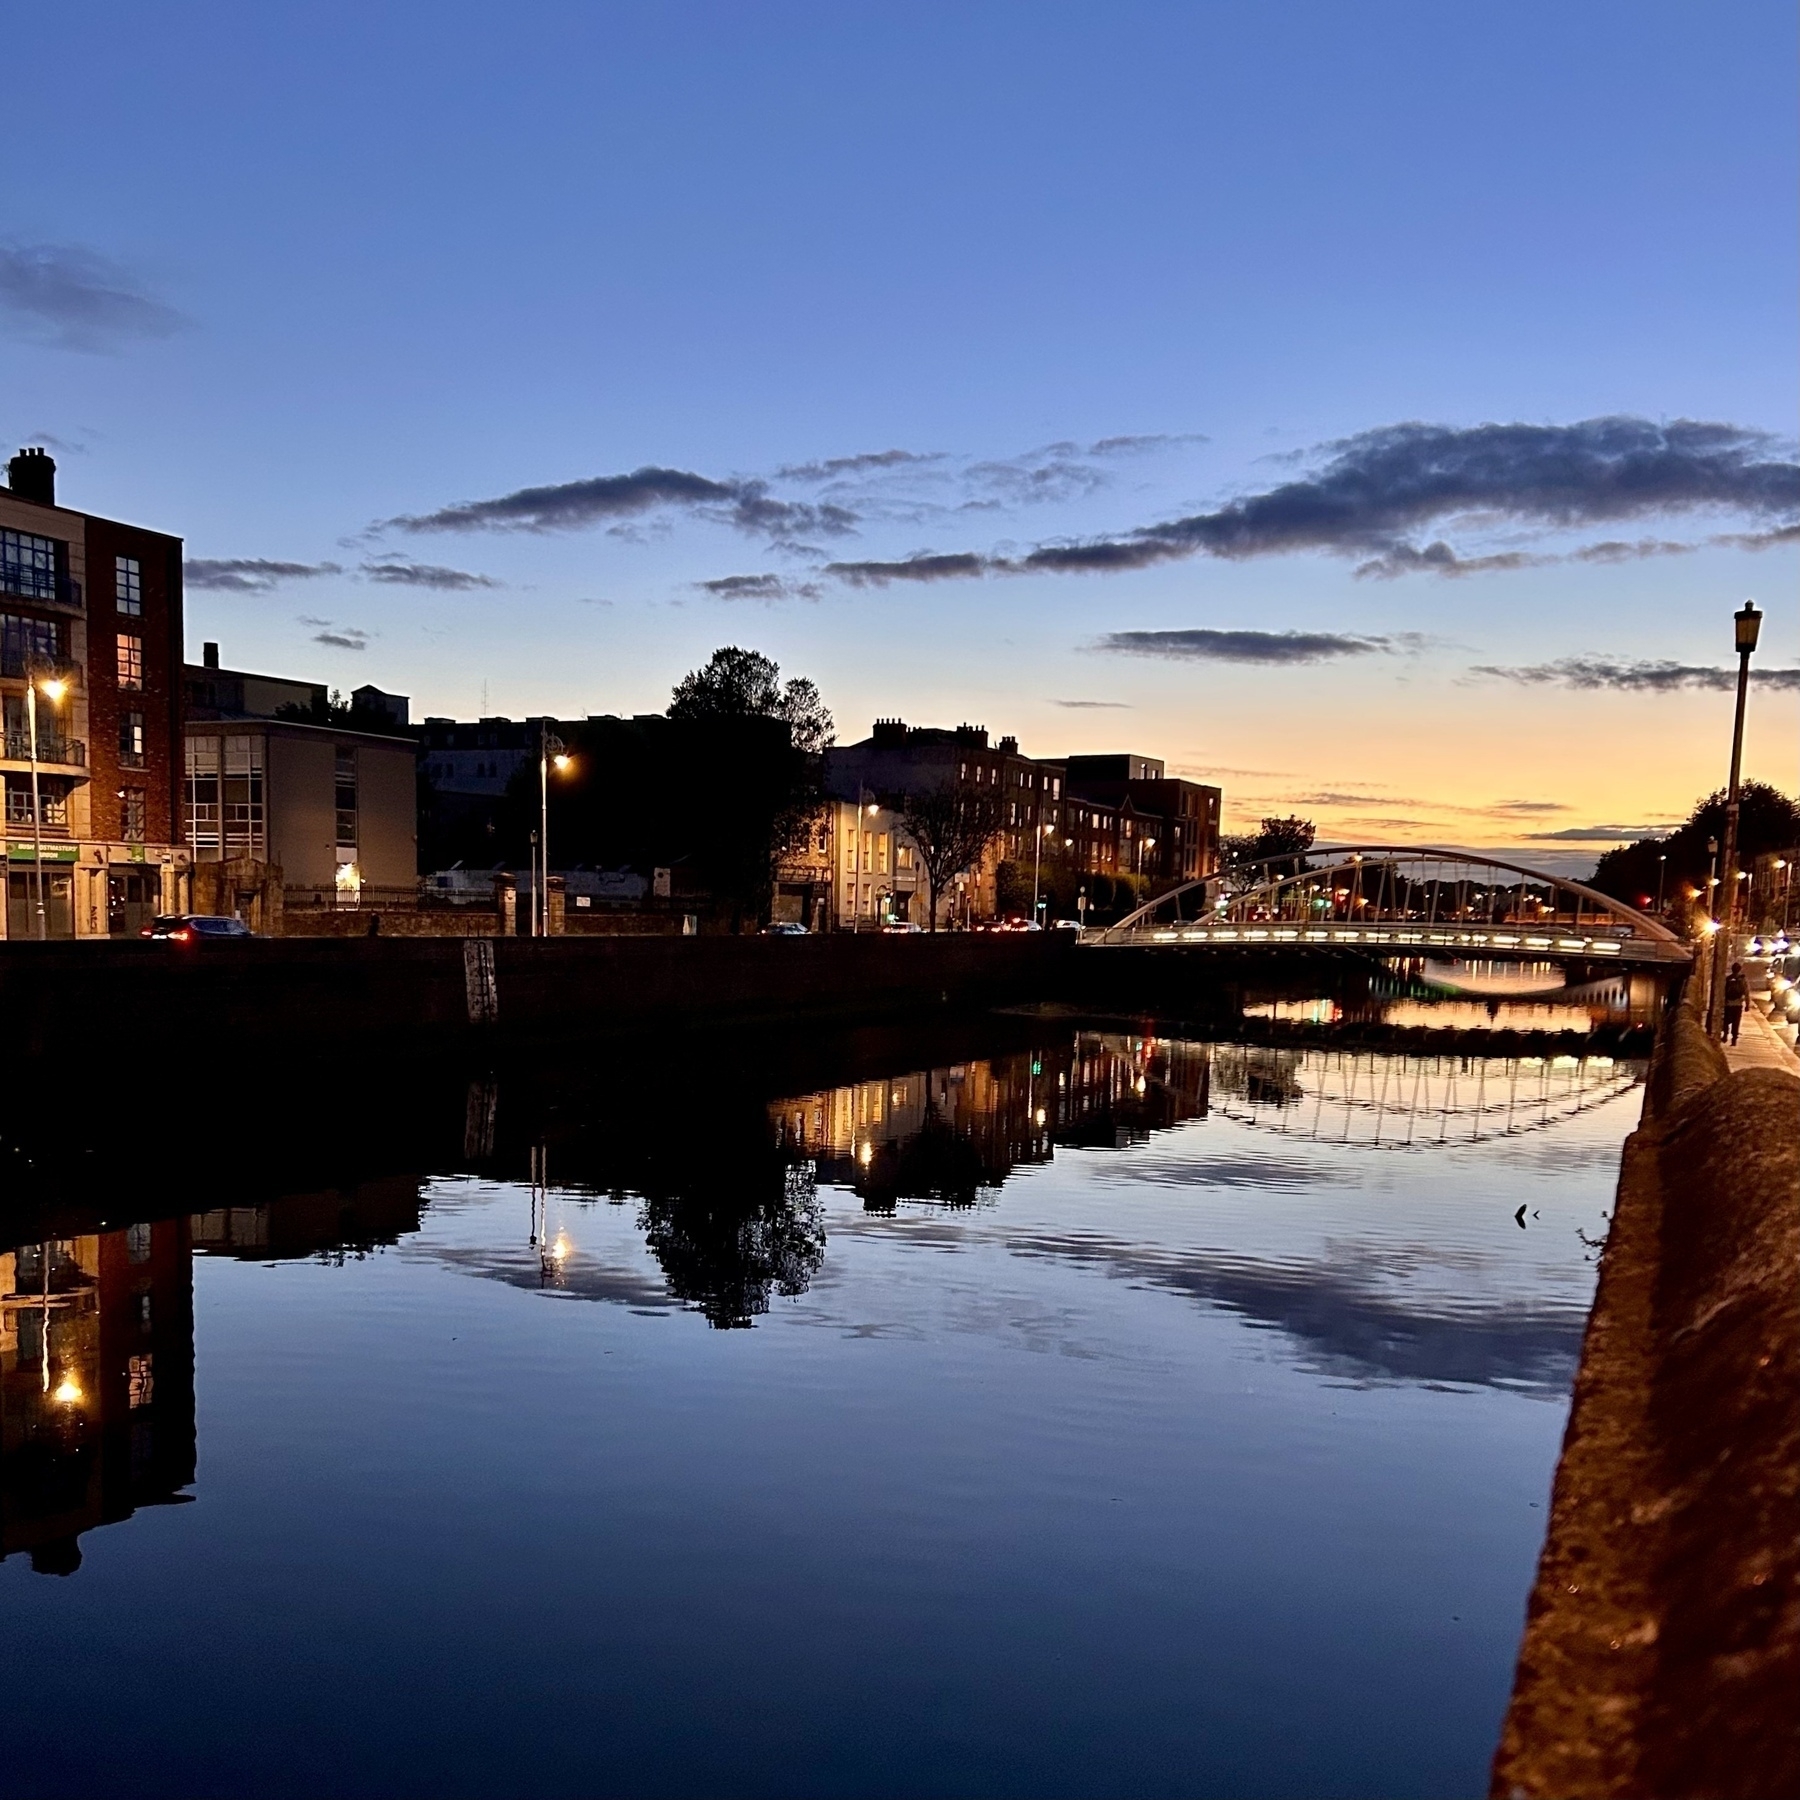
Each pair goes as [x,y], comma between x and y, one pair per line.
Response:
[360,992]
[1661,1653]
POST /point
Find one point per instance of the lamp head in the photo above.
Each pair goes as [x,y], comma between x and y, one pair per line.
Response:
[562,763]
[1749,622]
[53,690]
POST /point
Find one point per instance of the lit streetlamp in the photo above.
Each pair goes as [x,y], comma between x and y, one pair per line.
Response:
[1747,622]
[552,754]
[53,689]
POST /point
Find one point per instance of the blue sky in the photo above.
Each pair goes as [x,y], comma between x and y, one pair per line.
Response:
[273,275]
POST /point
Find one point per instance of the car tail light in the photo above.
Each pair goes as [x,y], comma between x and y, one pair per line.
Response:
[183,936]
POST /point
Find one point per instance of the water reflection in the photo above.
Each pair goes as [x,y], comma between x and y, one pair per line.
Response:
[96,1385]
[723,1213]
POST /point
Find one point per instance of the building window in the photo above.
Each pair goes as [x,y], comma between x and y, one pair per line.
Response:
[128,586]
[29,642]
[881,853]
[131,660]
[137,1243]
[140,1380]
[131,740]
[28,566]
[134,815]
[346,798]
[203,798]
[241,799]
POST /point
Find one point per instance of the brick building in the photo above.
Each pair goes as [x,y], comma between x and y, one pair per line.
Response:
[91,616]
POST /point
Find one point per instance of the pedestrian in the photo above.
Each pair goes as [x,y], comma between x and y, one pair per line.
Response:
[1737,992]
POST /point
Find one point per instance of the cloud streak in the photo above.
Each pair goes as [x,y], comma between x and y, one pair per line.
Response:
[72,299]
[249,574]
[601,499]
[397,572]
[1617,675]
[1267,648]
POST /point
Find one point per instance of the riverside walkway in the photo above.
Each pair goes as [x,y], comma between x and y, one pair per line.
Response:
[1758,1047]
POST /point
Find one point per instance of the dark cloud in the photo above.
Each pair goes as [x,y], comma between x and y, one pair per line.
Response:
[1599,672]
[1268,647]
[1095,705]
[346,638]
[399,573]
[249,574]
[575,505]
[1375,492]
[758,587]
[1439,559]
[1134,444]
[1597,834]
[71,299]
[922,567]
[868,463]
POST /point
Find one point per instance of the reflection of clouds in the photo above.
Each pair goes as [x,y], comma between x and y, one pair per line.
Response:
[1345,1325]
[579,1276]
[1270,1172]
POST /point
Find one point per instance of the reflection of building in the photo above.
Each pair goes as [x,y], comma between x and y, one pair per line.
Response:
[96,1385]
[90,616]
[354,1219]
[332,805]
[943,1134]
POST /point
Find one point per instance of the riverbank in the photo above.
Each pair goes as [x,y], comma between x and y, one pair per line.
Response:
[1662,1644]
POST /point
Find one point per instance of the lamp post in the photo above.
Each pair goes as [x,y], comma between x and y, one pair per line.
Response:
[1662,868]
[53,692]
[1747,622]
[551,752]
[1037,863]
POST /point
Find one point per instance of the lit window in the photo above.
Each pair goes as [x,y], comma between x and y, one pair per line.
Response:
[141,1379]
[128,586]
[131,740]
[131,660]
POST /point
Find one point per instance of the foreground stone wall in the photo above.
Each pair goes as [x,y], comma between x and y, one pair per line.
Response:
[1661,1654]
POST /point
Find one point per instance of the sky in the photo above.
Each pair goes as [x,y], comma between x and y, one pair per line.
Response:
[1379,410]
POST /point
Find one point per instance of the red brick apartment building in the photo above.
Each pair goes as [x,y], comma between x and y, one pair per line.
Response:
[90,616]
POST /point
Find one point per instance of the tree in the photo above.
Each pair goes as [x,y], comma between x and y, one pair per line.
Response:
[951,827]
[1286,839]
[745,684]
[1768,821]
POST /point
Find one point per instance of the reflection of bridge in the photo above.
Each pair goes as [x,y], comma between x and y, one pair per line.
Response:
[1362,1097]
[1392,901]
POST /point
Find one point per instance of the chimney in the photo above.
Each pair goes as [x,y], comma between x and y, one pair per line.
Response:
[209,655]
[32,476]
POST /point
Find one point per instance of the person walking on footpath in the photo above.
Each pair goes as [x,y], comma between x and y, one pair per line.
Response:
[1737,994]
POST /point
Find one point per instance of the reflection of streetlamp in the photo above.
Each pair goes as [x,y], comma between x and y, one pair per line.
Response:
[1747,623]
[54,689]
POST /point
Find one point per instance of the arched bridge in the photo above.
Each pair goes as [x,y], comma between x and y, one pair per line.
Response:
[1391,901]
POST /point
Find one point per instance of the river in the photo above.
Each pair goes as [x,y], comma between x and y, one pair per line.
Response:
[1027,1408]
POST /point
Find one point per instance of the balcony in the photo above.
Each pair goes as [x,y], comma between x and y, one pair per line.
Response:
[64,752]
[40,586]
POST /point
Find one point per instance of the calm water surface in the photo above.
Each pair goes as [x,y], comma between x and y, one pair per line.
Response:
[1104,1415]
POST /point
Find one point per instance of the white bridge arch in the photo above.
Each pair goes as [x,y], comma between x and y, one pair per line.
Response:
[1394,900]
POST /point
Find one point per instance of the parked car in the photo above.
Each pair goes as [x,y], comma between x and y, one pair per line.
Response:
[1065,925]
[191,928]
[902,926]
[785,928]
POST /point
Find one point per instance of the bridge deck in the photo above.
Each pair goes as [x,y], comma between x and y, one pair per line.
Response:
[1505,941]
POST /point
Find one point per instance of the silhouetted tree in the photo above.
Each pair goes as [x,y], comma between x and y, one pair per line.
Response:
[951,827]
[1768,821]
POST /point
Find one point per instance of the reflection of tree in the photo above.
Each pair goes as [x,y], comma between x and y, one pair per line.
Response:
[726,1255]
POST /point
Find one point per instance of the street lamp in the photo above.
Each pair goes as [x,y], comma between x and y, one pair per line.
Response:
[53,689]
[552,754]
[1662,868]
[1037,862]
[1747,623]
